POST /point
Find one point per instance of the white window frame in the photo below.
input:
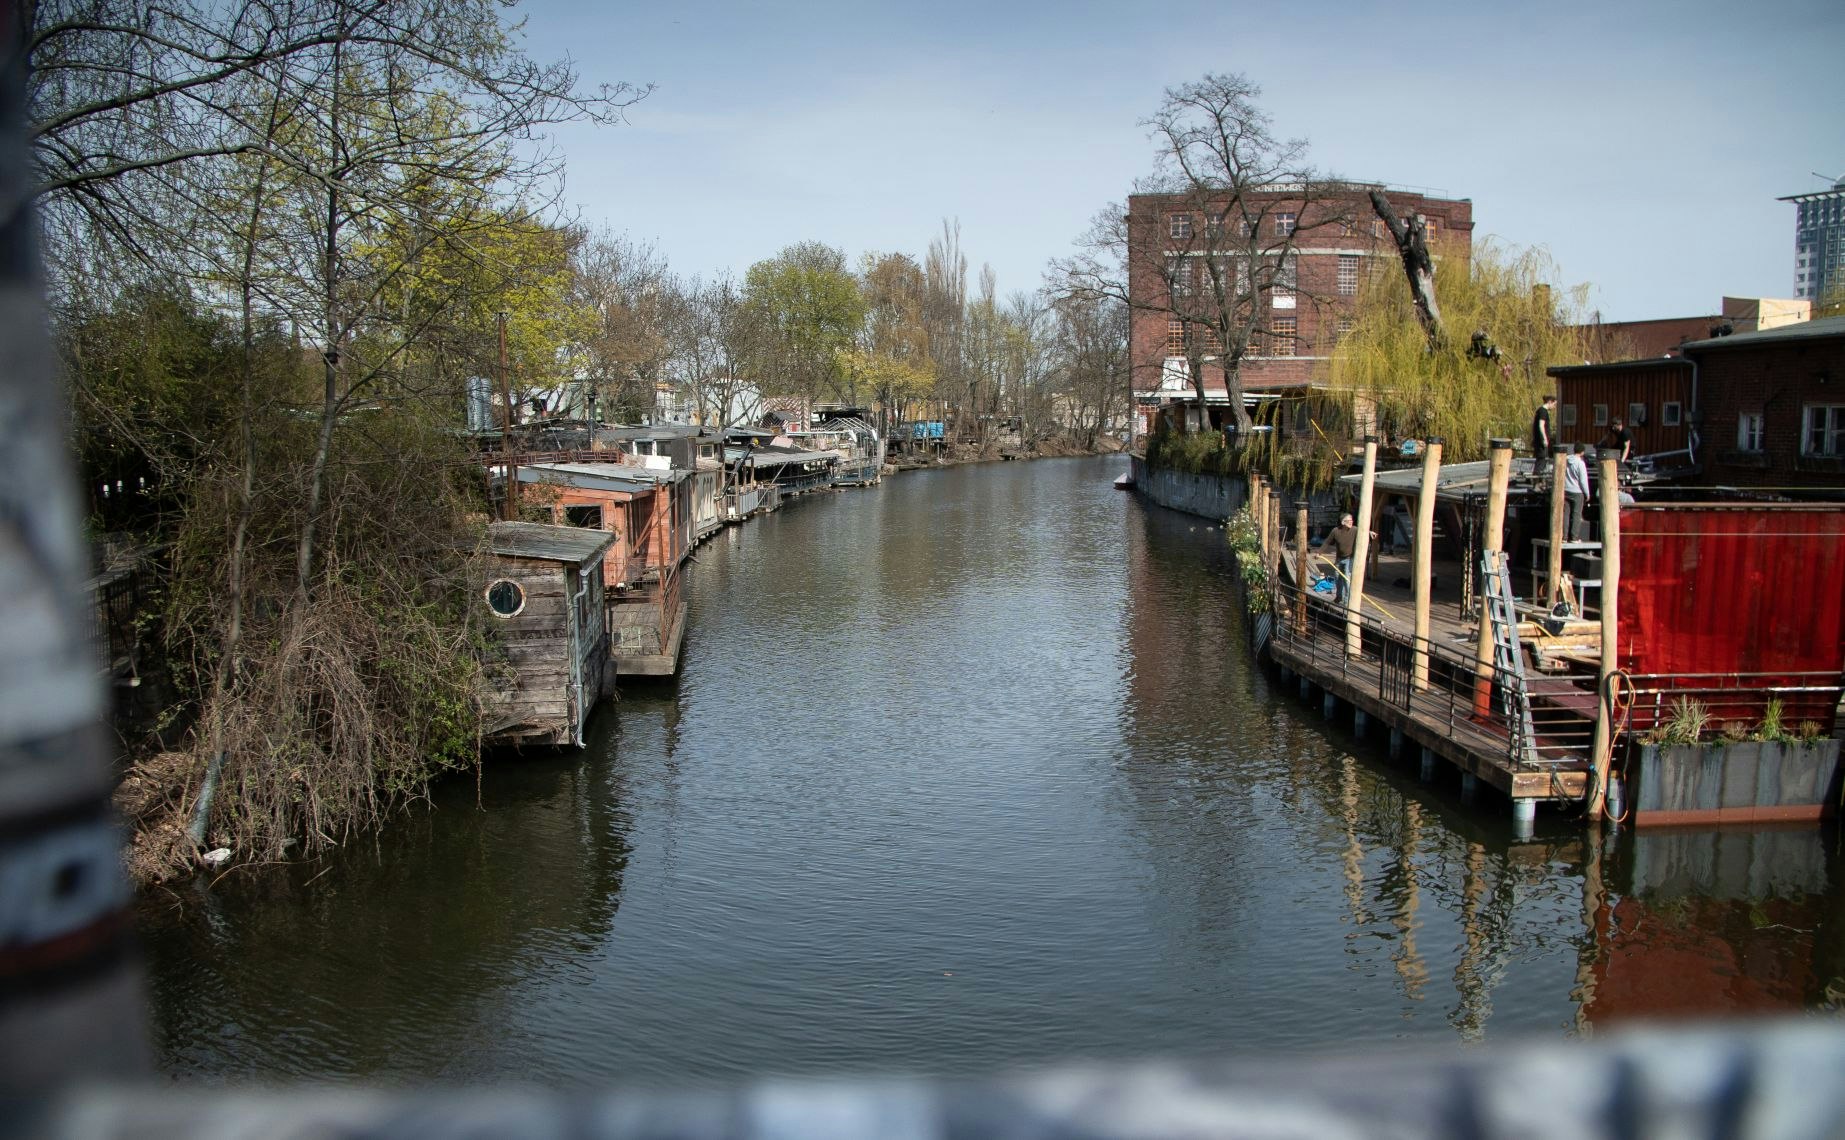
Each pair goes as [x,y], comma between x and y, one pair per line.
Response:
[1671,414]
[1179,227]
[1822,430]
[1347,278]
[1749,432]
[1286,222]
[1283,344]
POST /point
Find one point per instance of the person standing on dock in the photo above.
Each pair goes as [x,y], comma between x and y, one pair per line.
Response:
[1343,541]
[1540,435]
[1575,494]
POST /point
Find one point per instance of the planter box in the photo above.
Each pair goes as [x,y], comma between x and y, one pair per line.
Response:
[1750,782]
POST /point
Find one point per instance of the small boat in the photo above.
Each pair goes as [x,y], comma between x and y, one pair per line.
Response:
[1125,481]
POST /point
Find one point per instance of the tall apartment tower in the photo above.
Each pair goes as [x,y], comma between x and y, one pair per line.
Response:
[1819,240]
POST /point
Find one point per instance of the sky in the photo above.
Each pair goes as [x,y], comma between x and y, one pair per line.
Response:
[1642,144]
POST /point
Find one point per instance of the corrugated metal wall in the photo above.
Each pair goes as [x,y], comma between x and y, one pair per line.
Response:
[1750,589]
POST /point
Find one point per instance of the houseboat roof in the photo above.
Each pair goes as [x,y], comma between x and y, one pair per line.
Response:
[1454,482]
[573,544]
[1570,371]
[772,456]
[1819,329]
[600,476]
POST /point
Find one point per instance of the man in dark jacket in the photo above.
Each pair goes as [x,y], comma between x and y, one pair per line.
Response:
[1342,540]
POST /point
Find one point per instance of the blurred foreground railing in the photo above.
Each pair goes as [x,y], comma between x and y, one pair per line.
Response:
[1776,1081]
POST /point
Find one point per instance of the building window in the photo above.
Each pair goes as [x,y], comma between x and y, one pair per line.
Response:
[1344,326]
[1749,431]
[1670,414]
[1284,223]
[590,517]
[1601,415]
[1179,273]
[1825,430]
[1566,415]
[1377,227]
[1179,226]
[504,597]
[1348,274]
[1434,227]
[1175,337]
[1282,329]
[1636,415]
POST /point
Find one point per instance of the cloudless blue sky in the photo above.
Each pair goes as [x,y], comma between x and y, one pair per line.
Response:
[1643,144]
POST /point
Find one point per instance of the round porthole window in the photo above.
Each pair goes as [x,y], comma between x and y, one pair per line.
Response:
[504,597]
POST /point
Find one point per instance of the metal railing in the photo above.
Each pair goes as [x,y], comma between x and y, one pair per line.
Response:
[1732,702]
[1450,690]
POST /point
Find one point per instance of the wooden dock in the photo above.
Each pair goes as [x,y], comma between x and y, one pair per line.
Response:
[1459,717]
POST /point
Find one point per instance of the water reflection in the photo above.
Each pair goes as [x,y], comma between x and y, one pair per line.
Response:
[967,772]
[336,967]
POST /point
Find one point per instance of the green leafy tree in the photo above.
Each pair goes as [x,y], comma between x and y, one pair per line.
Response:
[807,310]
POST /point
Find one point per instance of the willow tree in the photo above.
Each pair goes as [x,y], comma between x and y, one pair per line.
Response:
[1464,387]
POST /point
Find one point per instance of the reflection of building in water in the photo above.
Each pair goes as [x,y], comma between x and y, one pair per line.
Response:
[1713,923]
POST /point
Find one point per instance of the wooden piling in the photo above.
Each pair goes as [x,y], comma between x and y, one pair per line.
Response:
[1300,565]
[1355,589]
[1423,578]
[1559,459]
[1610,494]
[1258,514]
[1491,542]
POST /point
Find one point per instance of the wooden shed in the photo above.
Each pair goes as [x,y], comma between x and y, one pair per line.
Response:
[543,591]
[648,513]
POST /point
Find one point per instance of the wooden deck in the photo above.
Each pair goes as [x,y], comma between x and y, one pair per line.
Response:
[1456,717]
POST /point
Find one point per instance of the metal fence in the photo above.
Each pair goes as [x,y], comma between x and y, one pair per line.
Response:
[1478,706]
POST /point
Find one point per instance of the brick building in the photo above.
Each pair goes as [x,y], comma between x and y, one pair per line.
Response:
[1310,260]
[1772,406]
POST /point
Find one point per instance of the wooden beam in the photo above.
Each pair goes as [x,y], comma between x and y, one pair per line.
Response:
[1609,492]
[1423,579]
[1490,542]
[1558,461]
[1355,589]
[1300,565]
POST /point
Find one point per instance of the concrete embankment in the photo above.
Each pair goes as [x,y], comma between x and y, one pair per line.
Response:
[1207,496]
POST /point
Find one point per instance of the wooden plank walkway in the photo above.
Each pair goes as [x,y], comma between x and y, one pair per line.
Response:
[1446,717]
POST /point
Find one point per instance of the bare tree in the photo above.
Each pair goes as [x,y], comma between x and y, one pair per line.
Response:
[625,287]
[709,330]
[1092,361]
[1210,239]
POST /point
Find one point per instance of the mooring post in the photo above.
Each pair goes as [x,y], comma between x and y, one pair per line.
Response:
[1428,764]
[1559,461]
[1329,705]
[1306,687]
[1491,542]
[1355,589]
[1396,743]
[1359,722]
[1524,818]
[1470,786]
[1610,597]
[1424,575]
[1258,514]
[1301,574]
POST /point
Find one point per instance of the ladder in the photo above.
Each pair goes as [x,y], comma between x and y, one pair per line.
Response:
[1508,657]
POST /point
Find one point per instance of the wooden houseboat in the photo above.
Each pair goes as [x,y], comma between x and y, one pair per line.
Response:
[647,511]
[543,591]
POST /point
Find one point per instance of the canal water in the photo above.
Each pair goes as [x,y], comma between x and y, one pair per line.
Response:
[965,772]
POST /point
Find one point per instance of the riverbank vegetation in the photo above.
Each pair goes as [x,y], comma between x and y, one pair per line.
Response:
[288,244]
